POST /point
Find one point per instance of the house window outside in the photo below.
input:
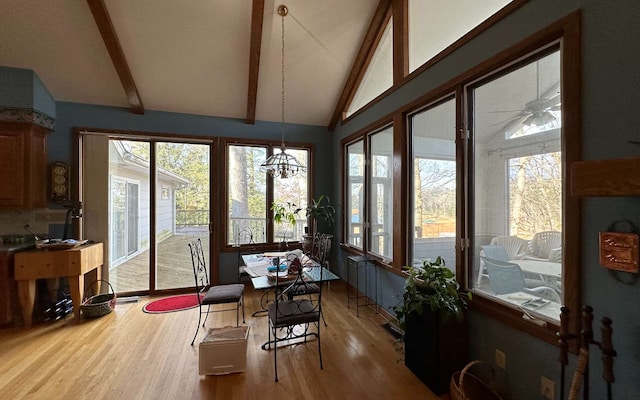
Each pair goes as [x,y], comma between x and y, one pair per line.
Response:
[165,193]
[434,184]
[249,191]
[517,186]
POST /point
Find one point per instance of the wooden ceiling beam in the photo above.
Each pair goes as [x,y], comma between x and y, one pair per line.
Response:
[400,40]
[257,17]
[368,47]
[110,39]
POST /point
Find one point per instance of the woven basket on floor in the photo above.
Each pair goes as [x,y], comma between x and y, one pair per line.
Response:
[466,386]
[99,305]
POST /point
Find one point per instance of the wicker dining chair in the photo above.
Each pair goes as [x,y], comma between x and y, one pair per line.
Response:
[212,295]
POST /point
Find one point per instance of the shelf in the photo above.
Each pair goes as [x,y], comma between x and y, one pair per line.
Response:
[617,177]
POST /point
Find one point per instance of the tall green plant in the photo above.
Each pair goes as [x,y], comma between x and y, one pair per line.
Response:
[322,210]
[433,287]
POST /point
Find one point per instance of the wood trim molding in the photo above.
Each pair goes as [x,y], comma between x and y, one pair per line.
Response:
[401,202]
[605,178]
[257,18]
[110,38]
[400,40]
[368,47]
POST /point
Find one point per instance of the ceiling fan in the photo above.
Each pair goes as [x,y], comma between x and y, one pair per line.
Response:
[537,112]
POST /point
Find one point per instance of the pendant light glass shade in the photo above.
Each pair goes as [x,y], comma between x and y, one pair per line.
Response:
[282,165]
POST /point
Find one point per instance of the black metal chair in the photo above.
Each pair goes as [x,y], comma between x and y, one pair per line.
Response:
[320,248]
[210,295]
[290,318]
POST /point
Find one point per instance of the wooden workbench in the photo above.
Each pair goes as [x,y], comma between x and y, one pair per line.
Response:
[72,264]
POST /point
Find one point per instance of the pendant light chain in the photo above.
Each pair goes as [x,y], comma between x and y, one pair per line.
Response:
[282,165]
[283,14]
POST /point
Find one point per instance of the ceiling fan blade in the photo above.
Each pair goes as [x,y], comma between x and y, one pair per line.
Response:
[505,111]
[515,125]
[504,122]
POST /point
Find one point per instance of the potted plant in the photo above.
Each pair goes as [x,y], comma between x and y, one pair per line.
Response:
[431,314]
[285,213]
[321,210]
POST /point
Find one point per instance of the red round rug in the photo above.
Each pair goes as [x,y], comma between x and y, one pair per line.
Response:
[171,304]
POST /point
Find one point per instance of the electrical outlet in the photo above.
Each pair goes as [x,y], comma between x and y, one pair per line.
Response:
[547,388]
[501,359]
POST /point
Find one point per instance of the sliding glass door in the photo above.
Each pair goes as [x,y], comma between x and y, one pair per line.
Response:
[146,200]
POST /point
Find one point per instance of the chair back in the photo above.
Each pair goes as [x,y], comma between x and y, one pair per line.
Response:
[320,248]
[543,242]
[504,277]
[516,248]
[495,252]
[199,263]
[286,289]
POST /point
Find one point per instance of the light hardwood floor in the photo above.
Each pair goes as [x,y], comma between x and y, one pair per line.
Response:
[129,354]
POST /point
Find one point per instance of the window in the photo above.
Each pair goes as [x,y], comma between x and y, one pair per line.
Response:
[434,185]
[250,194]
[380,194]
[355,194]
[370,229]
[518,185]
[443,23]
[379,74]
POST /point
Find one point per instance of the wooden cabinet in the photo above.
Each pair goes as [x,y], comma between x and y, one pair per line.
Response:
[23,165]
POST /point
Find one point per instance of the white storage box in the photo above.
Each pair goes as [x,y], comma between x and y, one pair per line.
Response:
[224,350]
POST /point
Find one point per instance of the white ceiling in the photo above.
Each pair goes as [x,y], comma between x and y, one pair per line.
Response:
[190,56]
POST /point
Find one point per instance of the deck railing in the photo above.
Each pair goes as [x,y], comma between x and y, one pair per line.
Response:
[242,230]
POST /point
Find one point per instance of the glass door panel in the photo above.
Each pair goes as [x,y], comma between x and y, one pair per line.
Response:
[129,217]
[182,210]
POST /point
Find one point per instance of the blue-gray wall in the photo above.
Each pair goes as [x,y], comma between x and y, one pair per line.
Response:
[610,118]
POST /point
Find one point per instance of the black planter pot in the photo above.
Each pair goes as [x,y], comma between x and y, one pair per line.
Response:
[435,348]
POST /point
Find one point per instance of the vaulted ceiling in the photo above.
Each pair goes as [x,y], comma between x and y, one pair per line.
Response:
[207,57]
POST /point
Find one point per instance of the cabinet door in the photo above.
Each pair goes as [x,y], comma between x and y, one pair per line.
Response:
[23,165]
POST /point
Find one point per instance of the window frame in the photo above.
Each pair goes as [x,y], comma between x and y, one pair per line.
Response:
[567,32]
[564,34]
[364,136]
[270,146]
[451,95]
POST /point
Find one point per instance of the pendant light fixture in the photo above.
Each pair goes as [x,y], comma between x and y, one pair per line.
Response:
[282,165]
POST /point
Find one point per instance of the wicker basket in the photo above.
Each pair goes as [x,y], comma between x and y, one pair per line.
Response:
[99,305]
[466,386]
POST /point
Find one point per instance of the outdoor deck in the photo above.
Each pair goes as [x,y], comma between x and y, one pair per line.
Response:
[174,266]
